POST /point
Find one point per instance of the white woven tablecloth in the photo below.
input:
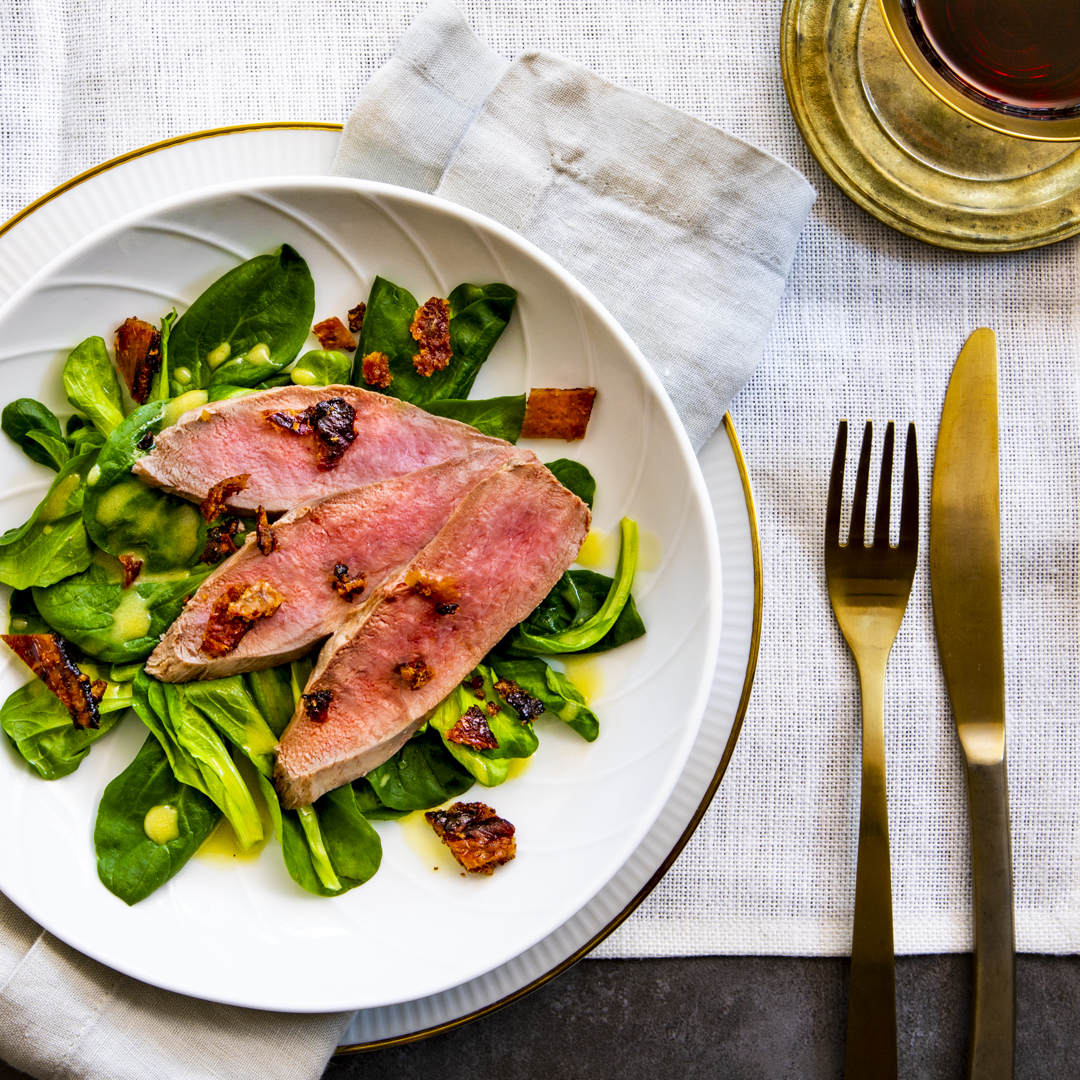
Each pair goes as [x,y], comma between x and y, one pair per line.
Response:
[870,326]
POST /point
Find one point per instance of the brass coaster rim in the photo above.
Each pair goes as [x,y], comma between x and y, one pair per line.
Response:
[868,185]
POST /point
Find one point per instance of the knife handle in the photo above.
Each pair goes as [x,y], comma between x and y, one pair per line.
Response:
[993,1006]
[870,1047]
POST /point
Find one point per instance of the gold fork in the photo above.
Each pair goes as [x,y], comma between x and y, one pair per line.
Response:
[869,589]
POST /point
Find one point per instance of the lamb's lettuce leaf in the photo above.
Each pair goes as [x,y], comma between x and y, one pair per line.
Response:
[271,691]
[246,326]
[53,543]
[40,728]
[227,704]
[94,610]
[35,429]
[560,697]
[123,515]
[130,864]
[92,386]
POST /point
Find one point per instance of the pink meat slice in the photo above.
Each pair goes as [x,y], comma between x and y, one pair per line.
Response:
[501,552]
[375,531]
[233,437]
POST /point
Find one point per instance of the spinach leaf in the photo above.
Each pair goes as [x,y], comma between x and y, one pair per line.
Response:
[371,806]
[40,727]
[92,386]
[24,617]
[576,478]
[53,543]
[329,848]
[478,315]
[130,864]
[232,710]
[271,690]
[560,696]
[499,417]
[123,515]
[576,616]
[322,367]
[94,610]
[516,740]
[34,428]
[196,753]
[247,325]
[420,775]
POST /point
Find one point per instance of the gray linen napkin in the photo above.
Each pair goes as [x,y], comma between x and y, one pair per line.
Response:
[683,232]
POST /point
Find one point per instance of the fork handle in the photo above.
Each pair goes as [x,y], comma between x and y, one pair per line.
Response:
[870,1052]
[993,1006]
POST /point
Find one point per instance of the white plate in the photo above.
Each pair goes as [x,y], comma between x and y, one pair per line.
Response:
[248,935]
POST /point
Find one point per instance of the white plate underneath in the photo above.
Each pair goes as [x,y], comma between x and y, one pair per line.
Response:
[76,209]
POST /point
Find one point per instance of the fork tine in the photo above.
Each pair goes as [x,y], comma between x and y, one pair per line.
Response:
[884,494]
[836,487]
[909,508]
[857,535]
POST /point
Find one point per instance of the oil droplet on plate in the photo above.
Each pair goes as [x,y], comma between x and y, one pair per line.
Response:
[587,674]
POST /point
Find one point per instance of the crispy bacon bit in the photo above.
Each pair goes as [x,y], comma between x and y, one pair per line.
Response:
[477,837]
[146,442]
[219,541]
[473,730]
[446,609]
[526,706]
[97,690]
[331,420]
[356,317]
[46,656]
[476,685]
[492,708]
[442,592]
[316,705]
[376,370]
[345,586]
[431,328]
[334,334]
[415,673]
[214,504]
[138,356]
[264,534]
[234,613]
[132,567]
[558,414]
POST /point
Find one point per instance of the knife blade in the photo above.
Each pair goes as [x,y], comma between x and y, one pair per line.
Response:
[965,585]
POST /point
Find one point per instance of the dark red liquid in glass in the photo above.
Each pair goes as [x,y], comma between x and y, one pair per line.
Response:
[1023,55]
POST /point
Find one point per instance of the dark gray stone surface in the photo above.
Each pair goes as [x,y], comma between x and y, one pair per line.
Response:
[741,1018]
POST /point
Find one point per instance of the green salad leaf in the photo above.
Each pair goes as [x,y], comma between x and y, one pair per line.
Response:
[420,775]
[585,612]
[82,436]
[130,864]
[196,753]
[92,386]
[123,515]
[53,543]
[515,739]
[246,326]
[560,697]
[478,316]
[40,727]
[576,478]
[227,704]
[500,417]
[223,393]
[271,691]
[94,610]
[24,617]
[34,428]
[322,367]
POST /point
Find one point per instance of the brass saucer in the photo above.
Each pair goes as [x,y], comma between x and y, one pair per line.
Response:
[903,155]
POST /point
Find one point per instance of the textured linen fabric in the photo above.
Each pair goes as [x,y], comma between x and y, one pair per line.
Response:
[869,325]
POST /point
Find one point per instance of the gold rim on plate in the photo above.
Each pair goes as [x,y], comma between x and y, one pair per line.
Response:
[903,155]
[751,664]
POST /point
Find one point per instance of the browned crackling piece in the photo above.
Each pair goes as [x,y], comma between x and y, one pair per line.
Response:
[375,367]
[551,413]
[46,656]
[472,729]
[264,534]
[138,357]
[430,328]
[334,334]
[477,837]
[132,569]
[356,317]
[213,505]
[234,612]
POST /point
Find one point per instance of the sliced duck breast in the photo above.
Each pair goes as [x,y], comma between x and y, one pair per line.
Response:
[299,443]
[395,658]
[323,559]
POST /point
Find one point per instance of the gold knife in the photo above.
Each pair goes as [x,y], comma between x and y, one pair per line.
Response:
[965,582]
